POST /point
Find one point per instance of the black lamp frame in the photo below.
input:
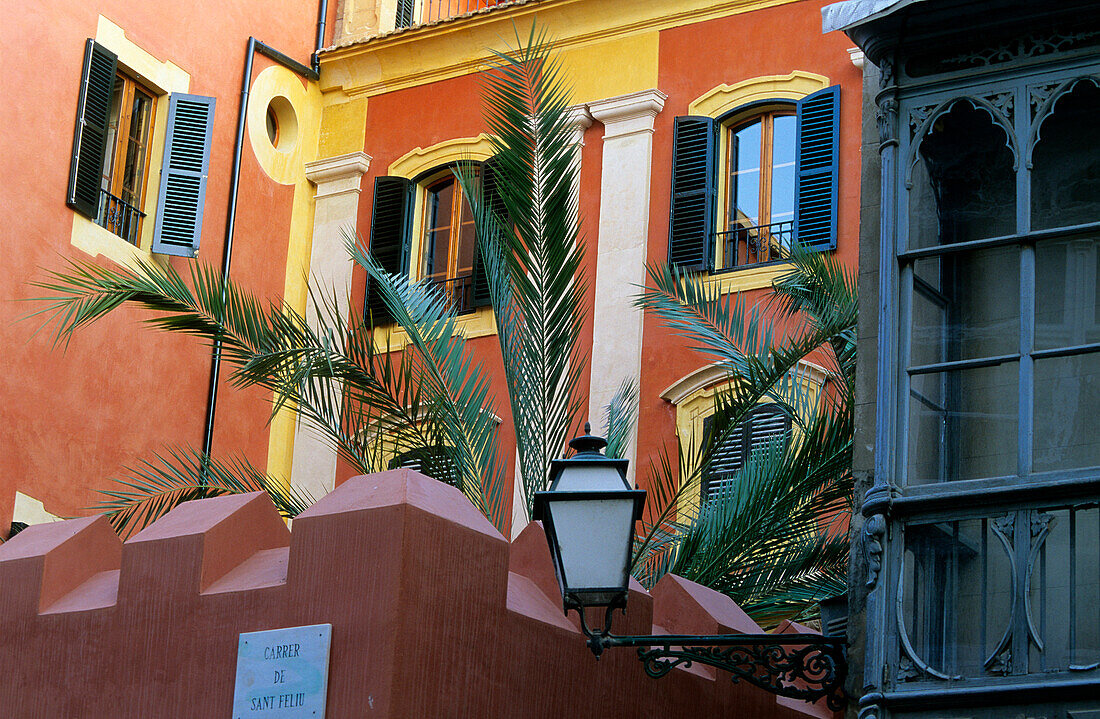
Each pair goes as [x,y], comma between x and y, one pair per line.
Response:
[809,667]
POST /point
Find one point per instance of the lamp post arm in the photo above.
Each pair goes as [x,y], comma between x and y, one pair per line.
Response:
[800,666]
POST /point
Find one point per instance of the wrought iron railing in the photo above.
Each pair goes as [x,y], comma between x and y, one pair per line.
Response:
[459,292]
[424,12]
[754,244]
[120,217]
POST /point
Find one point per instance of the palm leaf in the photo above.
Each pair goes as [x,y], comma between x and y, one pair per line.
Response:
[155,486]
[532,254]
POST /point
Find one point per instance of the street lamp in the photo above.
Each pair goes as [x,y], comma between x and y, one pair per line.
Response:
[588,515]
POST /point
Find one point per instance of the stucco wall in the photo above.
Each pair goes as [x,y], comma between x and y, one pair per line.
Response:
[433,614]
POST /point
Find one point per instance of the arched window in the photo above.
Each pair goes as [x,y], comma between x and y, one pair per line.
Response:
[751,183]
[423,227]
[448,241]
[765,428]
[760,185]
[963,185]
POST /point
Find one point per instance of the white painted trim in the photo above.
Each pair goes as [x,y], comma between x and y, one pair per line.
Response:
[628,114]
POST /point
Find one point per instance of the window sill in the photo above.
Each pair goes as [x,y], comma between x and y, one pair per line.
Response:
[480,323]
[89,237]
[748,278]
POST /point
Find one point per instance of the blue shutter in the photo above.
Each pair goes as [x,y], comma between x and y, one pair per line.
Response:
[183,175]
[93,111]
[390,226]
[694,183]
[816,177]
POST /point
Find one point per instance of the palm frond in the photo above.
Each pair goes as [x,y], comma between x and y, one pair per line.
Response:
[531,254]
[621,413]
[155,486]
[766,538]
[459,404]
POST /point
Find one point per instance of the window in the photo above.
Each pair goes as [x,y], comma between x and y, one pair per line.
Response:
[776,165]
[765,427]
[431,218]
[998,387]
[448,242]
[125,162]
[436,462]
[114,134]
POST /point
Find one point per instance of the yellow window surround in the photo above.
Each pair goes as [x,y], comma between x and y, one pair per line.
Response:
[724,99]
[415,163]
[694,395]
[162,78]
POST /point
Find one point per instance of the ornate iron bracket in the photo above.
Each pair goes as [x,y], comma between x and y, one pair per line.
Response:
[800,666]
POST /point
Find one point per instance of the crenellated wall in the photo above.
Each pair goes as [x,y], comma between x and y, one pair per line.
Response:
[433,614]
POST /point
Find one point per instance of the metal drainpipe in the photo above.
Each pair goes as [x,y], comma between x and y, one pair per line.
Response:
[312,72]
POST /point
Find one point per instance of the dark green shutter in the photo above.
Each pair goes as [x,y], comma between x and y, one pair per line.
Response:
[691,224]
[93,109]
[818,163]
[183,175]
[389,237]
[491,196]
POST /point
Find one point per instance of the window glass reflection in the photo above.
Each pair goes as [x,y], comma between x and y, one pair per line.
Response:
[964,187]
[1065,175]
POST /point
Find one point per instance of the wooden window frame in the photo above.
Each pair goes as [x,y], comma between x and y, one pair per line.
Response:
[118,151]
[729,227]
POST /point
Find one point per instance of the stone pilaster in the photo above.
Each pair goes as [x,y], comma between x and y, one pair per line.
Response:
[623,237]
[338,182]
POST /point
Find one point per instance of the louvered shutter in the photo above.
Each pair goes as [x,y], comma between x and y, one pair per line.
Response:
[389,237]
[727,459]
[816,177]
[404,15]
[436,462]
[93,110]
[183,175]
[761,428]
[691,224]
[491,196]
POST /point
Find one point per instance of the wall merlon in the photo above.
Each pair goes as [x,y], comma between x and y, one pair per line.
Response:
[46,562]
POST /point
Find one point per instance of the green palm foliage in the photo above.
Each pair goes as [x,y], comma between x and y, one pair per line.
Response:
[368,402]
[529,246]
[774,536]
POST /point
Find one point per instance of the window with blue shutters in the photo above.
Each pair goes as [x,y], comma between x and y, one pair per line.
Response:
[112,143]
[431,218]
[183,175]
[748,186]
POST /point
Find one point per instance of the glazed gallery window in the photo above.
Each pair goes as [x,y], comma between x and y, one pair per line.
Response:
[748,185]
[1001,307]
[112,143]
[424,228]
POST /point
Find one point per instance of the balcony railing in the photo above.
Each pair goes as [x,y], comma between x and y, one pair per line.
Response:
[755,244]
[424,12]
[120,217]
[459,292]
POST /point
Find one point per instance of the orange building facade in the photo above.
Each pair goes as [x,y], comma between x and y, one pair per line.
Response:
[409,101]
[398,97]
[118,393]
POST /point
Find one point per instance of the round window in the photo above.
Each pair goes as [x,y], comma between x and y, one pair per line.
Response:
[282,124]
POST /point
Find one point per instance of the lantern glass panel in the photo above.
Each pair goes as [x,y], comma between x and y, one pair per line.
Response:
[594,540]
[589,478]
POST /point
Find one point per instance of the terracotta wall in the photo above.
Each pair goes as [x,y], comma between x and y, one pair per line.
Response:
[433,614]
[75,416]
